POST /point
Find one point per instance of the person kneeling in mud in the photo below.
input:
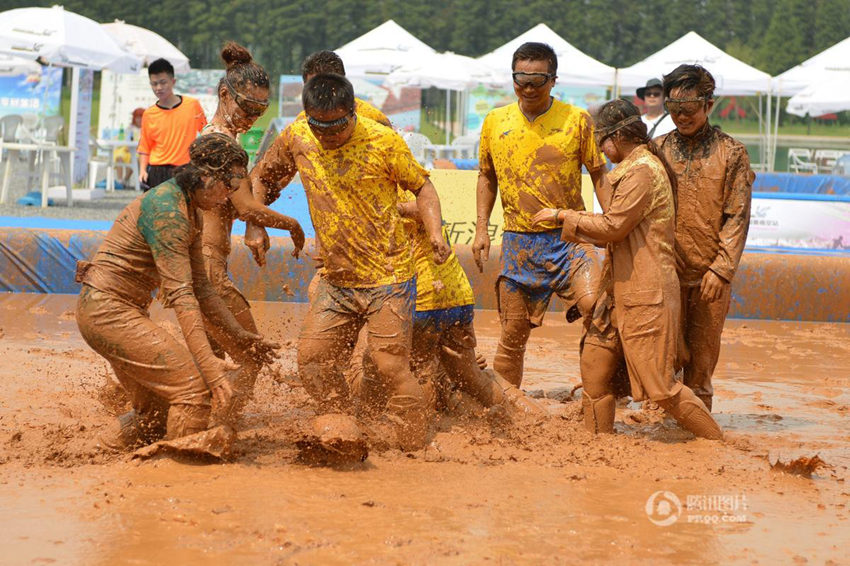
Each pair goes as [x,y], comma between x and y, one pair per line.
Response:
[243,96]
[638,229]
[155,243]
[443,355]
[351,168]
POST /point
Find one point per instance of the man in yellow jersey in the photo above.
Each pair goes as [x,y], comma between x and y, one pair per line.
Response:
[532,153]
[168,127]
[351,168]
[322,62]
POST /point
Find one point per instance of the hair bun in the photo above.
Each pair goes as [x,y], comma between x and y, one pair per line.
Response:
[234,54]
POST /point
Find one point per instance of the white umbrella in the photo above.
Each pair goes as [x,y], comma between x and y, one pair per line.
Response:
[11,66]
[829,93]
[147,45]
[448,71]
[57,37]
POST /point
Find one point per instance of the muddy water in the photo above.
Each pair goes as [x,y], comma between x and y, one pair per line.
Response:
[478,493]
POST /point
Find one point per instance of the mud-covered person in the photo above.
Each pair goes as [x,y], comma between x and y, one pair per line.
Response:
[713,187]
[443,354]
[351,168]
[637,227]
[243,96]
[168,127]
[318,63]
[155,244]
[531,154]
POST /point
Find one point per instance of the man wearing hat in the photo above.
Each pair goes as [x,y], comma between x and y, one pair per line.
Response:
[657,119]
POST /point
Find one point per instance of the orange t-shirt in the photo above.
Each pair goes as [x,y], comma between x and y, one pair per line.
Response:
[167,134]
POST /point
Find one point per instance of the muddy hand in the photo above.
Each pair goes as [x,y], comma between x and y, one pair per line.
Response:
[481,249]
[297,235]
[711,287]
[545,215]
[257,239]
[441,250]
[262,350]
[222,393]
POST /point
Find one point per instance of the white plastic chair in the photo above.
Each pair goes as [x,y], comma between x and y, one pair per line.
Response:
[466,147]
[826,158]
[416,142]
[800,160]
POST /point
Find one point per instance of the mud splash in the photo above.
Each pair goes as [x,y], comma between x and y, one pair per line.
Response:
[480,491]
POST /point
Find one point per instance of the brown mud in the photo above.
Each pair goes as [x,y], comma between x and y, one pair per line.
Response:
[481,491]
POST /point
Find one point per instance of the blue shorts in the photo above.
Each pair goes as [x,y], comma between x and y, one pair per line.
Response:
[440,320]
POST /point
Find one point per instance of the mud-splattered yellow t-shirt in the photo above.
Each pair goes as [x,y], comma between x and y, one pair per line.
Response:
[538,164]
[437,286]
[364,109]
[352,193]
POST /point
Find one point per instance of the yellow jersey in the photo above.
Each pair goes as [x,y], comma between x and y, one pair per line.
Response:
[537,164]
[437,286]
[352,193]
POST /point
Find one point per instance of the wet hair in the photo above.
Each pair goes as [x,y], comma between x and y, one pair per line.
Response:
[533,51]
[213,155]
[613,113]
[242,71]
[690,77]
[161,66]
[327,92]
[322,62]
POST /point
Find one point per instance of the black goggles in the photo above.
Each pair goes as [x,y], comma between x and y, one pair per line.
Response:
[534,80]
[331,127]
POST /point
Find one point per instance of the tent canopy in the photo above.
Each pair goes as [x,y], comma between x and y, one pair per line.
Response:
[829,94]
[574,67]
[147,45]
[382,50]
[811,71]
[733,77]
[447,71]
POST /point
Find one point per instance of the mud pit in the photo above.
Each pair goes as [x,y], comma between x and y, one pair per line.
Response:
[478,493]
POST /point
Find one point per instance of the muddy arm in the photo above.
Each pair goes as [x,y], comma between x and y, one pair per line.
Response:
[736,215]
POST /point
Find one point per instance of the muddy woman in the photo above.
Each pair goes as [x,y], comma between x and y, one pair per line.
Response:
[243,96]
[637,227]
[155,244]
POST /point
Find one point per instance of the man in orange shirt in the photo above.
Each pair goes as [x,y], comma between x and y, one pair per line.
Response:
[168,127]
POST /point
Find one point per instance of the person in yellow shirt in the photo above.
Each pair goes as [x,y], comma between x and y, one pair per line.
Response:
[351,168]
[329,62]
[168,127]
[532,153]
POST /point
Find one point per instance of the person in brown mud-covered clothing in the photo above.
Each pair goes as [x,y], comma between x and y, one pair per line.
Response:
[155,243]
[243,96]
[713,188]
[637,227]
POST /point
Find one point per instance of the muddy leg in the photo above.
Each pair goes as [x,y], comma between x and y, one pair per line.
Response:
[598,366]
[692,414]
[184,420]
[703,326]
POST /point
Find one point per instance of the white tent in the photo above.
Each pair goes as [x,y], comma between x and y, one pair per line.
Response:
[810,71]
[11,65]
[829,93]
[382,50]
[447,71]
[147,45]
[731,75]
[574,67]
